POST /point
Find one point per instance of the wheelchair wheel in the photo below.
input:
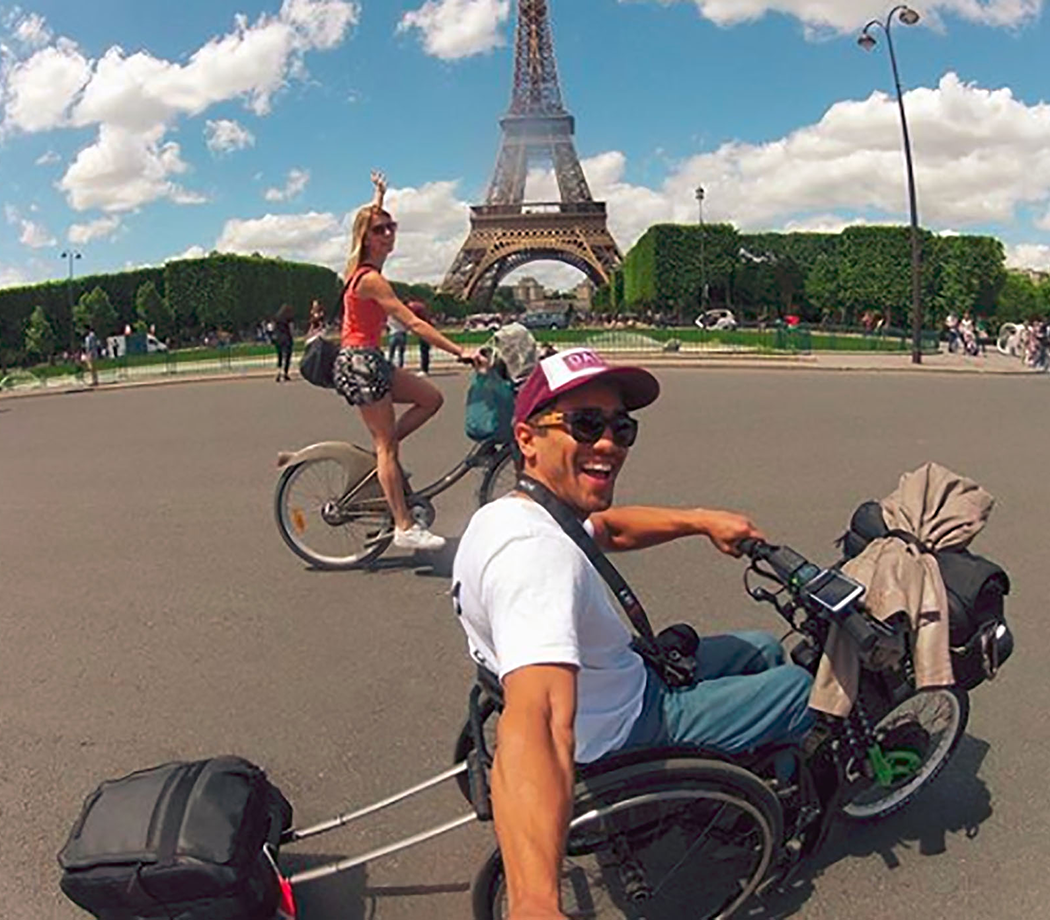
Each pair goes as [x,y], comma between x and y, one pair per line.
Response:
[918,738]
[664,840]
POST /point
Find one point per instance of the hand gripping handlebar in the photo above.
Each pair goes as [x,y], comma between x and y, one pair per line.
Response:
[794,571]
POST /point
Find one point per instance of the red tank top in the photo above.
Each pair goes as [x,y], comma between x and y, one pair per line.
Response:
[363,319]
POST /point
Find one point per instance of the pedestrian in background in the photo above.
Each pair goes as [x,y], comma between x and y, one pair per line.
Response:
[91,353]
[282,340]
[317,320]
[398,340]
[420,309]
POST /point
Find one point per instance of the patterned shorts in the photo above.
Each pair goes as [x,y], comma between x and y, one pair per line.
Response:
[362,375]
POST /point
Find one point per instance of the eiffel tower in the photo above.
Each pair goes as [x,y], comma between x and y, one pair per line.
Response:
[506,232]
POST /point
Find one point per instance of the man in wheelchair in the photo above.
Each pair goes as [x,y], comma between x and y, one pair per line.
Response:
[537,614]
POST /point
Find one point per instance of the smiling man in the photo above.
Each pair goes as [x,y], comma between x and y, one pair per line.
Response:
[539,615]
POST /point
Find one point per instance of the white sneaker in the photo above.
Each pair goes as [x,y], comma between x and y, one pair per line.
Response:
[419,538]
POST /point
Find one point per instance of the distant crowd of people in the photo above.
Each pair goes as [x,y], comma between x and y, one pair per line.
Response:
[965,334]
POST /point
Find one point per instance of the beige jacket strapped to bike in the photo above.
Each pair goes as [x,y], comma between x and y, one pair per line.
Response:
[943,511]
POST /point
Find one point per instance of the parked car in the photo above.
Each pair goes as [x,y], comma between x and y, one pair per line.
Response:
[719,318]
[482,322]
[546,319]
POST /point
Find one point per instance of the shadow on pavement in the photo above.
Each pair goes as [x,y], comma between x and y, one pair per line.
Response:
[347,896]
[956,801]
[429,565]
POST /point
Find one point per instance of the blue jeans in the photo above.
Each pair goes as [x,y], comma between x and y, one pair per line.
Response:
[747,697]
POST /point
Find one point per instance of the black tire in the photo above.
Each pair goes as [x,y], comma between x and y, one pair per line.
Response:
[500,477]
[646,809]
[907,727]
[359,554]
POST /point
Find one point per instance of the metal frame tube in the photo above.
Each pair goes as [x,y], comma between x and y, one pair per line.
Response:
[309,875]
[294,835]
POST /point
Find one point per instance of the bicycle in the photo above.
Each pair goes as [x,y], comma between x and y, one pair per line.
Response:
[331,512]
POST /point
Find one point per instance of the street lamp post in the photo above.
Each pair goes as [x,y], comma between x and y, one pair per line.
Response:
[703,262]
[909,17]
[69,255]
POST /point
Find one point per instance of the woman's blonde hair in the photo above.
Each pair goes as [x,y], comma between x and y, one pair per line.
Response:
[358,236]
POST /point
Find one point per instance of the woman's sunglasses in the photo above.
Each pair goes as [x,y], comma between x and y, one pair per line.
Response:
[588,425]
[385,229]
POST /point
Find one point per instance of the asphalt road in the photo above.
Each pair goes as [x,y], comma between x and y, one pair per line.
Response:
[150,611]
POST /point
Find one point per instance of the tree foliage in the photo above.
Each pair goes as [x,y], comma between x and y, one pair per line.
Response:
[40,337]
[817,275]
[94,311]
[152,310]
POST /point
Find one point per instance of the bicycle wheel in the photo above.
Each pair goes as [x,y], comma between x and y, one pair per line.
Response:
[500,478]
[320,527]
[918,738]
[677,840]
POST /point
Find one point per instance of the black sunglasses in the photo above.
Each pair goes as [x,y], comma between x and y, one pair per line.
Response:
[383,229]
[588,425]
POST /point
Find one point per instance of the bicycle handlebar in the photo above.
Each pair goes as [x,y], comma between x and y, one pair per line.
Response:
[793,571]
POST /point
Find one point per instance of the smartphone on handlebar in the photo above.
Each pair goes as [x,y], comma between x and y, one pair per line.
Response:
[833,591]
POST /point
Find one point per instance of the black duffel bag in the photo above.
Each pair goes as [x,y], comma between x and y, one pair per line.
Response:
[978,636]
[317,364]
[182,841]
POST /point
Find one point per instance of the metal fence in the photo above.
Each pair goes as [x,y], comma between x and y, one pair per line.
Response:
[641,341]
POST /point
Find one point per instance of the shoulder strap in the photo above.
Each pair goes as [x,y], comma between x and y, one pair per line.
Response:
[568,522]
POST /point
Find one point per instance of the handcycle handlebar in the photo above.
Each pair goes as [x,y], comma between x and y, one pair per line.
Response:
[797,575]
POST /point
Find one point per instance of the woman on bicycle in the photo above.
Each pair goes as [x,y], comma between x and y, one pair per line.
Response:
[365,377]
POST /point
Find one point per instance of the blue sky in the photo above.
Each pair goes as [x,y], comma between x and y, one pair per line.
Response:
[135,134]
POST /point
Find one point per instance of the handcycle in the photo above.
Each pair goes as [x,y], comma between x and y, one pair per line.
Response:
[677,832]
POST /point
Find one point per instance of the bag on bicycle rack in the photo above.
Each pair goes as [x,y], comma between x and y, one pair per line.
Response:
[318,362]
[490,408]
[191,841]
[979,639]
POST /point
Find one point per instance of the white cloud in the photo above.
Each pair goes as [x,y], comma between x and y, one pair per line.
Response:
[35,235]
[40,90]
[11,276]
[47,158]
[453,29]
[842,16]
[1029,255]
[225,136]
[99,229]
[310,237]
[123,170]
[31,30]
[293,186]
[135,98]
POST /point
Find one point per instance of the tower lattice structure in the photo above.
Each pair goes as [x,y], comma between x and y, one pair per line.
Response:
[507,232]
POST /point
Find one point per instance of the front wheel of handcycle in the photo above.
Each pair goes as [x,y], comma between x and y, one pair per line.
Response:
[677,839]
[917,738]
[500,476]
[321,525]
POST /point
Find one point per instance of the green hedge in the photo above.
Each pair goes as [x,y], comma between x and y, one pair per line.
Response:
[814,275]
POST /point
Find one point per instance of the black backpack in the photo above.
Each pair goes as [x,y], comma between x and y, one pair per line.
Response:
[979,638]
[182,841]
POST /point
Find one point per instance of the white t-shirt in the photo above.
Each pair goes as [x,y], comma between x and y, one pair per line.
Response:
[526,594]
[394,325]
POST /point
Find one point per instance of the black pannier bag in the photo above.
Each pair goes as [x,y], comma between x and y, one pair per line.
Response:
[979,638]
[182,841]
[317,365]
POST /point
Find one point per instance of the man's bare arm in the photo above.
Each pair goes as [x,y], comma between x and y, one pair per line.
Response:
[618,529]
[532,783]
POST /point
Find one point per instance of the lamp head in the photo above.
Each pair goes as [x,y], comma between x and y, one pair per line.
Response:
[699,193]
[866,40]
[908,16]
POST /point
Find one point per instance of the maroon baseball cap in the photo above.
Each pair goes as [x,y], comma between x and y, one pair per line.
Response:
[567,370]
